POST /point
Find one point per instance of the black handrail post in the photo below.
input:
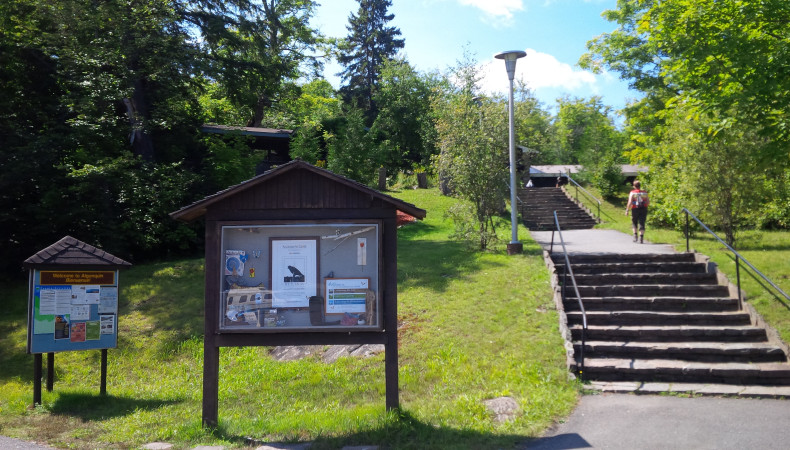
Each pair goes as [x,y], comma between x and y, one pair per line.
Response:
[738,257]
[738,276]
[551,248]
[687,229]
[568,270]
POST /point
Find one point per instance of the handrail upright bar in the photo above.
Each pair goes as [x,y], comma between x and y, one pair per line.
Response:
[589,195]
[737,256]
[569,270]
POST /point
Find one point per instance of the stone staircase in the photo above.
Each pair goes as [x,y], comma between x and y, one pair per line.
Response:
[665,318]
[539,203]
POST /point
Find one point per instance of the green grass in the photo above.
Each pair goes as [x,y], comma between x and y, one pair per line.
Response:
[474,326]
[768,251]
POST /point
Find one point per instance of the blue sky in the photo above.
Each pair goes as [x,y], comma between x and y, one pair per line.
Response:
[552,32]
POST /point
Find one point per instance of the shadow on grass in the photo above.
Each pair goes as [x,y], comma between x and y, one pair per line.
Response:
[433,264]
[99,407]
[402,432]
[16,364]
[764,284]
[170,294]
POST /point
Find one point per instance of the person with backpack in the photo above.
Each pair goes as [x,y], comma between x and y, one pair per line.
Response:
[638,201]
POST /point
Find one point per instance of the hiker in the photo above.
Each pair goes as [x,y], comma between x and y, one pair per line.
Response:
[637,203]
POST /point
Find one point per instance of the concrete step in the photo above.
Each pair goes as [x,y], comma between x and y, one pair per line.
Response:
[687,333]
[658,290]
[635,267]
[685,351]
[607,279]
[655,318]
[627,258]
[676,304]
[614,369]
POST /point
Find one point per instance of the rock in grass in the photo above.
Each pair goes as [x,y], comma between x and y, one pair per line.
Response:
[502,408]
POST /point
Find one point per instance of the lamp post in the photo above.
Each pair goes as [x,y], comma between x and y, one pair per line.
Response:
[510,58]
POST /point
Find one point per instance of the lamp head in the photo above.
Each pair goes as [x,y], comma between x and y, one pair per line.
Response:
[510,58]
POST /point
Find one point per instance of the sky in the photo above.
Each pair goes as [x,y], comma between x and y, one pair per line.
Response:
[554,34]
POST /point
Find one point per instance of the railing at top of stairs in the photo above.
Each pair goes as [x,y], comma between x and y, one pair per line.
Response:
[569,270]
[738,258]
[585,192]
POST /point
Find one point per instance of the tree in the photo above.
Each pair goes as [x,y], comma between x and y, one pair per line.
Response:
[404,128]
[474,154]
[262,51]
[532,125]
[349,148]
[723,63]
[316,109]
[363,52]
[706,173]
[584,133]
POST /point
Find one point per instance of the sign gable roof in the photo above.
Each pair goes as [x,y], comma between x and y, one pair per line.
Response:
[69,251]
[198,209]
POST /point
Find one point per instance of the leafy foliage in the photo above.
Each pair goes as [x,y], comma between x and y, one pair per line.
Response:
[585,134]
[721,65]
[404,128]
[474,154]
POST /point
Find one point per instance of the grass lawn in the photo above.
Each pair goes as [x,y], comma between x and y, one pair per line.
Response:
[473,326]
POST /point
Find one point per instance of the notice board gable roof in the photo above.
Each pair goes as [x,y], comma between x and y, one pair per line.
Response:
[284,181]
[69,251]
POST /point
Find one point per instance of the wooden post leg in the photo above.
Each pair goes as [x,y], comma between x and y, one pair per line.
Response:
[103,386]
[210,384]
[391,372]
[50,371]
[37,362]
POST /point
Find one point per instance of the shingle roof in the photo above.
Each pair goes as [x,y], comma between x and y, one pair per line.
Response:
[72,252]
[197,209]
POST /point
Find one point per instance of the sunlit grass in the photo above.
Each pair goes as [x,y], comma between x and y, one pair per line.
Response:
[474,326]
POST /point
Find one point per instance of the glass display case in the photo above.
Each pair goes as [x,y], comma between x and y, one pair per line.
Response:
[300,277]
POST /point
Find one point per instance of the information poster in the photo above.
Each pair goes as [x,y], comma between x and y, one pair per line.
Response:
[72,310]
[346,295]
[294,265]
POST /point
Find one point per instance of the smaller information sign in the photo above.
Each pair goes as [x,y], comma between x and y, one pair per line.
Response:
[346,295]
[73,310]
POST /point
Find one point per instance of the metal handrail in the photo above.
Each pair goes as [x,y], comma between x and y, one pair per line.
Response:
[738,257]
[589,195]
[568,270]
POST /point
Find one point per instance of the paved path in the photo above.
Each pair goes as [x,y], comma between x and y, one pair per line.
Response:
[620,421]
[629,421]
[15,444]
[598,241]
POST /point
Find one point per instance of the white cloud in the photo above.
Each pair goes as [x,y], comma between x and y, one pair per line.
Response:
[496,8]
[540,71]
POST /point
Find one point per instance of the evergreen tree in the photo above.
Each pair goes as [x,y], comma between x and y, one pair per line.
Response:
[362,53]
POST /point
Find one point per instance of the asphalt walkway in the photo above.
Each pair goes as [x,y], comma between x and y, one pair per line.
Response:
[622,421]
[639,421]
[599,241]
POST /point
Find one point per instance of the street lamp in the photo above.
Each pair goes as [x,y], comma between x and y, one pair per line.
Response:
[510,58]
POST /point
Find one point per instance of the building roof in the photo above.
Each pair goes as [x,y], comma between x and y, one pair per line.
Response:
[628,170]
[247,131]
[198,209]
[69,251]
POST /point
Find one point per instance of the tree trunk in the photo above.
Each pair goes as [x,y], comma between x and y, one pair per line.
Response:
[263,103]
[137,110]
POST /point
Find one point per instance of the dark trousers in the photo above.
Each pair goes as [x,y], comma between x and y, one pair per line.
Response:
[638,217]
